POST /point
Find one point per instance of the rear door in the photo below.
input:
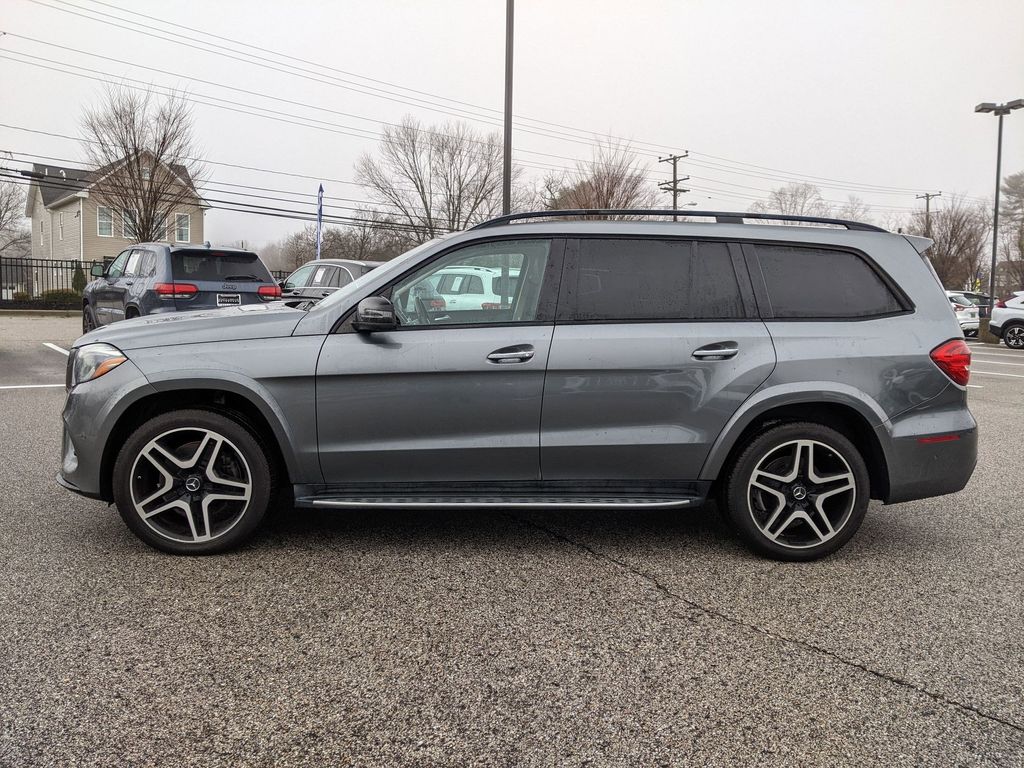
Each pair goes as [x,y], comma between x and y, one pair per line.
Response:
[657,343]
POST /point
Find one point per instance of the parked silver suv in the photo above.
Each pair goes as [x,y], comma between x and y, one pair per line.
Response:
[790,372]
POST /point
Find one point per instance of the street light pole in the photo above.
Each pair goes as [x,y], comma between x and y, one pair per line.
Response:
[1001,111]
[506,171]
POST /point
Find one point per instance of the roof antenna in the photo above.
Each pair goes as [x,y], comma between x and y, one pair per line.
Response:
[207,243]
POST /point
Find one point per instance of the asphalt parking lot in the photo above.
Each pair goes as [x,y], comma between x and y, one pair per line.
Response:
[465,638]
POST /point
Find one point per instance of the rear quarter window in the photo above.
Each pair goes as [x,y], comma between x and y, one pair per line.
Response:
[821,283]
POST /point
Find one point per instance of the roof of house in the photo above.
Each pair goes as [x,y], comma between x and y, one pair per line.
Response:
[57,183]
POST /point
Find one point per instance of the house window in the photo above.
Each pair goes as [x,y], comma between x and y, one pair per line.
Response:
[60,224]
[42,230]
[182,227]
[128,219]
[104,221]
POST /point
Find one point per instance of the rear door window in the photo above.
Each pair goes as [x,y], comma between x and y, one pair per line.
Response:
[218,266]
[638,280]
[134,267]
[822,283]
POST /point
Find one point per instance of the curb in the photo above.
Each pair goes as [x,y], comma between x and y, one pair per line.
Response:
[38,313]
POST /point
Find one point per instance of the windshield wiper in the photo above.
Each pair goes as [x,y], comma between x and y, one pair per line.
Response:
[257,278]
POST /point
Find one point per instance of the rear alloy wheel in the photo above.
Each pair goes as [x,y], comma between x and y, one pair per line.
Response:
[192,482]
[797,492]
[1013,337]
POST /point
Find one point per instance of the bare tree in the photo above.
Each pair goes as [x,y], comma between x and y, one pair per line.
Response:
[144,156]
[15,236]
[960,230]
[1012,230]
[612,178]
[796,199]
[434,180]
[854,209]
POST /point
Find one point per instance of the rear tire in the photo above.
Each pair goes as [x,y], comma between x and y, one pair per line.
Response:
[797,491]
[1013,336]
[192,482]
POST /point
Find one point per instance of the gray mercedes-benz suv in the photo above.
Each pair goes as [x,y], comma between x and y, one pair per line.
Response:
[790,372]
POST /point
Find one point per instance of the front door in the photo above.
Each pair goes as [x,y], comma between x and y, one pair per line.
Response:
[449,395]
[107,294]
[657,345]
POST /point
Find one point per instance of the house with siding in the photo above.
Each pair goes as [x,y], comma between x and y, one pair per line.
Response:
[70,221]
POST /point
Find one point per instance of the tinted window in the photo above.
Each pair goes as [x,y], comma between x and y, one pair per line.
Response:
[340,277]
[655,280]
[322,276]
[823,283]
[218,266]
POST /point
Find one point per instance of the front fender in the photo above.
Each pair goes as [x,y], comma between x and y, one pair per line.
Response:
[797,393]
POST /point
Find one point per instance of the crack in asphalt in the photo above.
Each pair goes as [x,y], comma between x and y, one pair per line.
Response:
[653,581]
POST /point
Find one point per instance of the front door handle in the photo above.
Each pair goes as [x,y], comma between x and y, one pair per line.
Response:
[517,354]
[722,350]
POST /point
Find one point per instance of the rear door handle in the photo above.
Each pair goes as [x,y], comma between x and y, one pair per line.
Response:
[722,350]
[517,354]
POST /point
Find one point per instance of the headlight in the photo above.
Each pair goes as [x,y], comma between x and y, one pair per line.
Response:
[92,361]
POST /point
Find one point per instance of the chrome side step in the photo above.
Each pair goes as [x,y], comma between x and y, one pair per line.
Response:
[483,502]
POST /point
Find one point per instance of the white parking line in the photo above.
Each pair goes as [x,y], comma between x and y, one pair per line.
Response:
[975,386]
[994,373]
[31,386]
[55,348]
[998,362]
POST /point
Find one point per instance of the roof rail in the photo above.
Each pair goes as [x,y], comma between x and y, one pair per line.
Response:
[720,217]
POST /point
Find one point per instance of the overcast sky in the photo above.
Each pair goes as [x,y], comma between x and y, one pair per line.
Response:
[866,97]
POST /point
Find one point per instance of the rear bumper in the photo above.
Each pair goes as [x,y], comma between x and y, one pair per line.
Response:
[996,330]
[930,454]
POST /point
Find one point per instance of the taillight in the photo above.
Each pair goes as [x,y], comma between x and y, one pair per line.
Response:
[1002,302]
[437,304]
[175,290]
[954,359]
[959,307]
[269,292]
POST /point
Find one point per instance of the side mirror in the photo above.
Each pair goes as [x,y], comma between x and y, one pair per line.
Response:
[97,270]
[375,313]
[282,284]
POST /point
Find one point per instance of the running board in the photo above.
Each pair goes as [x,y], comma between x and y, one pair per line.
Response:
[483,502]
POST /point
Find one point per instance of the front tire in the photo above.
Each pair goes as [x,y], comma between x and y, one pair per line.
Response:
[797,491]
[88,319]
[1013,336]
[192,482]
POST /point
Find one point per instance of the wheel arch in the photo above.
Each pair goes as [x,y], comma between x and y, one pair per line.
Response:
[218,396]
[852,416]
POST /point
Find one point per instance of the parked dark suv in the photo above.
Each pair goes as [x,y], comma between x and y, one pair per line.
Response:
[154,278]
[792,373]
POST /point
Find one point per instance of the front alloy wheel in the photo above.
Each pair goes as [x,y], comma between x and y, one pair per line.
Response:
[1013,337]
[797,492]
[192,482]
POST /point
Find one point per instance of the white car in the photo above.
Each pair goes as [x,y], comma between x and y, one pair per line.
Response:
[1008,320]
[966,312]
[470,287]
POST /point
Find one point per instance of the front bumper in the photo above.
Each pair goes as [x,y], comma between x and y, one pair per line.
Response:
[91,412]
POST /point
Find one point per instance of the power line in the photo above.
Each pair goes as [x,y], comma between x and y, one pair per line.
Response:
[319,73]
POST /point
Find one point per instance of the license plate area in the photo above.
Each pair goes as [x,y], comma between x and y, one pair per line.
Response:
[228,299]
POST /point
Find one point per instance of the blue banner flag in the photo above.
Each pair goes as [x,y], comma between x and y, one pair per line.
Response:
[319,218]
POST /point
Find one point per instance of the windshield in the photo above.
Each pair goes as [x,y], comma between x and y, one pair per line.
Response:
[388,269]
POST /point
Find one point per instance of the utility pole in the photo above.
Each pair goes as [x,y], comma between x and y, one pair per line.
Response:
[506,171]
[927,197]
[674,187]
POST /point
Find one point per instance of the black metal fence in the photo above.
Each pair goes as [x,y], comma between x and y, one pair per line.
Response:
[43,283]
[49,283]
